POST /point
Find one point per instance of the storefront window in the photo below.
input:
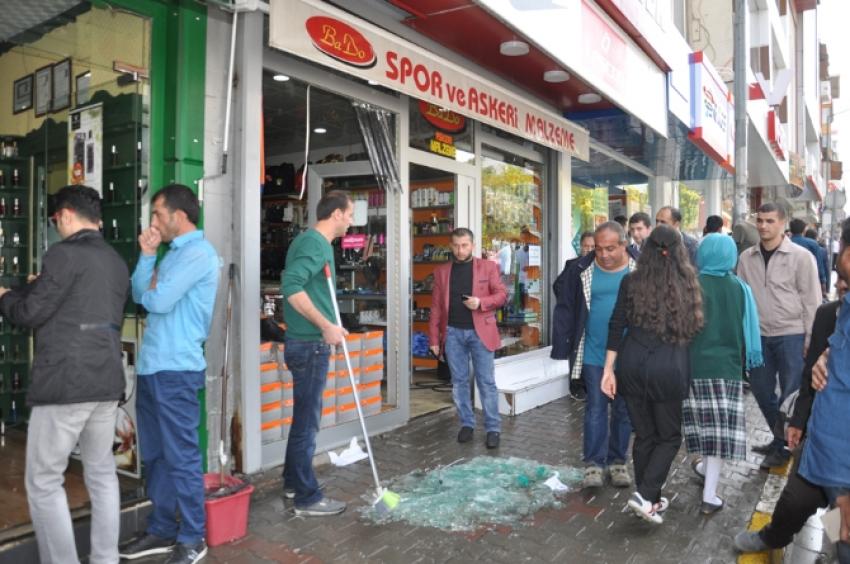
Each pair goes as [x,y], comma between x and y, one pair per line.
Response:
[337,159]
[512,228]
[441,131]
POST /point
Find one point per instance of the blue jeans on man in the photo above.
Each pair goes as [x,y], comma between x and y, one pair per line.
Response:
[605,443]
[783,360]
[308,361]
[460,346]
[168,416]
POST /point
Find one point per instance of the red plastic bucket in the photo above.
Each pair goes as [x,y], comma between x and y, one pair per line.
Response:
[227,517]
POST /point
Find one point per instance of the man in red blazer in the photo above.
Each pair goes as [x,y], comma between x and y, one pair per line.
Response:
[467,292]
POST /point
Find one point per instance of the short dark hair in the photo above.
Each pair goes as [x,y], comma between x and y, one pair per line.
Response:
[713,224]
[675,214]
[811,234]
[83,200]
[585,235]
[180,197]
[330,202]
[641,217]
[770,207]
[797,226]
[621,219]
[459,232]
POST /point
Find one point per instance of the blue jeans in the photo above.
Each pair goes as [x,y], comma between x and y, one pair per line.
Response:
[308,361]
[168,415]
[783,356]
[461,344]
[604,446]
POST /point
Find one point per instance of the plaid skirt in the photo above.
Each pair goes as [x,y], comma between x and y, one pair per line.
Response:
[713,419]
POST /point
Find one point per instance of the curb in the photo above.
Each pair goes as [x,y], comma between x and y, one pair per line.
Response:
[764,511]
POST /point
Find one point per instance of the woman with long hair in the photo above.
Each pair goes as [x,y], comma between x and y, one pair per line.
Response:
[658,312]
[715,426]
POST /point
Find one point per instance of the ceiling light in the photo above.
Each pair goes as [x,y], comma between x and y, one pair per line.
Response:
[589,98]
[320,130]
[280,77]
[513,48]
[556,76]
[372,82]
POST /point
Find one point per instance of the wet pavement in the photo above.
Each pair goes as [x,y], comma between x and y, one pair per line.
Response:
[592,526]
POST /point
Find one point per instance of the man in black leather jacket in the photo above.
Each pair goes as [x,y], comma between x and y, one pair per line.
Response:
[76,307]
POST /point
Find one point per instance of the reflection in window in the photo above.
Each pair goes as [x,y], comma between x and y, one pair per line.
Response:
[512,223]
[440,131]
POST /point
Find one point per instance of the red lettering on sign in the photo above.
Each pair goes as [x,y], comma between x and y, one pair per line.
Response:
[341,41]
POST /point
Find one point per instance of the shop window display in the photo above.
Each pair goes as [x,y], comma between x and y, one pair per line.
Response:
[441,131]
[512,227]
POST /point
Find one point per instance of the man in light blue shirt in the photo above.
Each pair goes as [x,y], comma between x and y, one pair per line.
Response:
[179,296]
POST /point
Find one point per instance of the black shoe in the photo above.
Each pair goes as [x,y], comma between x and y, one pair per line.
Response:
[775,459]
[492,439]
[710,508]
[188,553]
[695,467]
[465,435]
[146,545]
[766,448]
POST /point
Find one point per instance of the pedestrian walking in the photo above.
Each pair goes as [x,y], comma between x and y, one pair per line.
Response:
[658,312]
[800,499]
[466,295]
[784,280]
[76,307]
[311,330]
[579,334]
[179,297]
[713,414]
[672,217]
[640,226]
[713,224]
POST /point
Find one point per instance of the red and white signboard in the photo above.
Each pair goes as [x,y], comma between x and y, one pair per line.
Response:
[334,38]
[712,113]
[774,135]
[590,45]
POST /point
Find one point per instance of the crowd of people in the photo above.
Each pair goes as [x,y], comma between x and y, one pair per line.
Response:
[670,329]
[662,332]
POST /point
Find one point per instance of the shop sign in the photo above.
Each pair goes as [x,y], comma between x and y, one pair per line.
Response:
[331,37]
[442,144]
[441,118]
[711,112]
[796,168]
[590,45]
[774,135]
[85,147]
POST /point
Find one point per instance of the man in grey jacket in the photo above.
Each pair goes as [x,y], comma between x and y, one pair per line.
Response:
[76,306]
[784,280]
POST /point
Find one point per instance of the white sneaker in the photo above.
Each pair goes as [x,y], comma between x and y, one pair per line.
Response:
[644,509]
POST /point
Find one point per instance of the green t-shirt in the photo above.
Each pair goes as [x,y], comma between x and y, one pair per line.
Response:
[717,352]
[304,271]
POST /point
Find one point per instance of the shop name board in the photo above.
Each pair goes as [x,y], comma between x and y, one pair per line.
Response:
[442,144]
[331,37]
[711,111]
[774,135]
[441,118]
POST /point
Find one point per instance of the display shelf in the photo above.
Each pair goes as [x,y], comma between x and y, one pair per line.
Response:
[431,261]
[423,236]
[442,207]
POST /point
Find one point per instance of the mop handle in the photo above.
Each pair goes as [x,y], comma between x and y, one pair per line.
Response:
[352,382]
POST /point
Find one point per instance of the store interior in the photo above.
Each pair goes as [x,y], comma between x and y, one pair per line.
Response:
[67,114]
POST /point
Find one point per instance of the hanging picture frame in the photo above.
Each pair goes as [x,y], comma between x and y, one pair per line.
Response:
[22,94]
[43,90]
[82,83]
[61,98]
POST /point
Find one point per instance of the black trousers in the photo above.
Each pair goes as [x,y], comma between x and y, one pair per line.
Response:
[798,501]
[658,435]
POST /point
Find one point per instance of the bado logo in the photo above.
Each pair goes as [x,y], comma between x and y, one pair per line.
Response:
[341,41]
[441,118]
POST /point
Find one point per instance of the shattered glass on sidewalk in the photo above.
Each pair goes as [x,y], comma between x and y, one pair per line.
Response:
[484,491]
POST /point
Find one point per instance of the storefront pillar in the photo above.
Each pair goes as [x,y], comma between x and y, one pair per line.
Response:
[246,219]
[714,197]
[662,192]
